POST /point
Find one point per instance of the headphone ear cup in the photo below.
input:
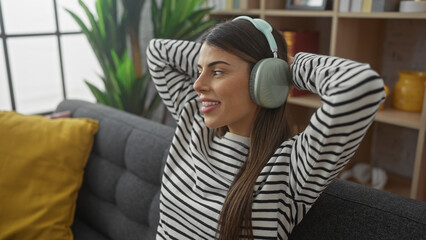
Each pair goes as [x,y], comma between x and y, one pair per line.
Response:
[270,82]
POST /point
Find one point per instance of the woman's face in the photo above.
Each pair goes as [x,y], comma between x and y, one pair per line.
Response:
[223,89]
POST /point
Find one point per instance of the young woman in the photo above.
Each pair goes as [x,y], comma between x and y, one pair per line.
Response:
[233,170]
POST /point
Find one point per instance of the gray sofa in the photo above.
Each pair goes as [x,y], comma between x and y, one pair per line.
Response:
[120,194]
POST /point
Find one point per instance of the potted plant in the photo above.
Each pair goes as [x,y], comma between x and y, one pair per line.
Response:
[126,85]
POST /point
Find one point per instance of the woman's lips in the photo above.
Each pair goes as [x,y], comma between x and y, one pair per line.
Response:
[209,106]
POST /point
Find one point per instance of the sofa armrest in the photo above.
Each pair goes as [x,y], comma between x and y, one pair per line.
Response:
[346,210]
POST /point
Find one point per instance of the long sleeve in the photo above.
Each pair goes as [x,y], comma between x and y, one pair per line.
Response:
[200,166]
[351,93]
[173,68]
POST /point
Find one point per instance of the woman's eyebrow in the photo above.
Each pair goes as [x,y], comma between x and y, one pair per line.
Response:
[214,63]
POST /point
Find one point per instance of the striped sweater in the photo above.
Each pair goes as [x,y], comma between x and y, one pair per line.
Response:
[201,167]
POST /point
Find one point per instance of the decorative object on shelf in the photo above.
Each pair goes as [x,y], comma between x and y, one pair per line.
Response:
[409,91]
[301,41]
[295,92]
[382,106]
[412,6]
[364,173]
[307,4]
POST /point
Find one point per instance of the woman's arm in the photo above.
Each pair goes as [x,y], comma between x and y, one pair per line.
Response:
[173,68]
[351,93]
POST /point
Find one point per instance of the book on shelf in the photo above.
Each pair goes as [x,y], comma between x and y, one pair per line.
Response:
[221,4]
[233,4]
[366,5]
[356,5]
[244,4]
[369,5]
[236,4]
[249,4]
[229,4]
[300,41]
[344,5]
[385,5]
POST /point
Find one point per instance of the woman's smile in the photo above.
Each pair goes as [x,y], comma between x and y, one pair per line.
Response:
[208,105]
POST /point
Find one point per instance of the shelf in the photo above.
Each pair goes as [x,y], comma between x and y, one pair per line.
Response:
[382,15]
[235,12]
[395,184]
[387,115]
[399,118]
[297,13]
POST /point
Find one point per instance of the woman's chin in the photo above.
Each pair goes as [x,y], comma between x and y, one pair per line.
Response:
[211,124]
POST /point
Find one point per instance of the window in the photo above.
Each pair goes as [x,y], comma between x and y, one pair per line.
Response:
[44,57]
[5,103]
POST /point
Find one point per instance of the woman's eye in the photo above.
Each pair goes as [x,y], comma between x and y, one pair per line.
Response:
[217,72]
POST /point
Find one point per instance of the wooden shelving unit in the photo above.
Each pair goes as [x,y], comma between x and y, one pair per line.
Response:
[357,36]
[387,115]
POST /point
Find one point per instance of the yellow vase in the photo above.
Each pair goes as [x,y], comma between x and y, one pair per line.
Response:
[409,91]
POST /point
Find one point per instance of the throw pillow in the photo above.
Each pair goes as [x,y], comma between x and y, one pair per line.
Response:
[41,170]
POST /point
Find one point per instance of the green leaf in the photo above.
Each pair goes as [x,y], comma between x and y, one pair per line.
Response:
[199,30]
[198,15]
[98,94]
[101,22]
[155,17]
[178,21]
[165,11]
[95,27]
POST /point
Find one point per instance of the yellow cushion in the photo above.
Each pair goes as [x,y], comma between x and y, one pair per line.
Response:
[41,170]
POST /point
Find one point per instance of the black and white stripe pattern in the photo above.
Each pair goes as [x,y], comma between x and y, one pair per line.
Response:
[201,167]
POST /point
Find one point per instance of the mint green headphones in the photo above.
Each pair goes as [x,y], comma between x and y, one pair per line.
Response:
[270,77]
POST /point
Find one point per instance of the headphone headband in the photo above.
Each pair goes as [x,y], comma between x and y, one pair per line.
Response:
[264,27]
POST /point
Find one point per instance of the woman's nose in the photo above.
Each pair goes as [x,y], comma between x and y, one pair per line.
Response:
[200,84]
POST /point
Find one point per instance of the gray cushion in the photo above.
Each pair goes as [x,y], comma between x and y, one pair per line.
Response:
[119,198]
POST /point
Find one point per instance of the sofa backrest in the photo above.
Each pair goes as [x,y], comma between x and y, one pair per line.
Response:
[119,198]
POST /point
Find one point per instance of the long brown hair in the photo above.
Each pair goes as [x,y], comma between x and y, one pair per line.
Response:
[269,130]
